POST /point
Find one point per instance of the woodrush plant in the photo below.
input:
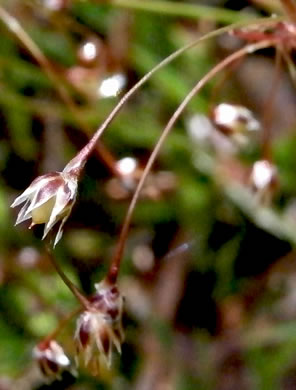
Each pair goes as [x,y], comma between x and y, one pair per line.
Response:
[50,198]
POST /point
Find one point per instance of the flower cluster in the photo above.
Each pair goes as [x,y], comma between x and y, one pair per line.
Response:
[100,327]
[49,200]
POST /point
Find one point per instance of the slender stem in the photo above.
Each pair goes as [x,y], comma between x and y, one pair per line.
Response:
[115,263]
[80,297]
[290,9]
[79,160]
[14,26]
[271,6]
[268,107]
[192,11]
[290,64]
[220,84]
[62,323]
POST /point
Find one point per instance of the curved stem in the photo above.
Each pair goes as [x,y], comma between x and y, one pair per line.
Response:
[268,108]
[220,84]
[290,9]
[191,11]
[62,323]
[115,263]
[14,26]
[78,162]
[80,297]
[80,159]
[290,65]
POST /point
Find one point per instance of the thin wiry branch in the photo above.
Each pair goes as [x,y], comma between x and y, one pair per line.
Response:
[115,264]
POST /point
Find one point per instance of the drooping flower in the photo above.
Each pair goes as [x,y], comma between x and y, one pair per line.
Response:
[99,327]
[51,359]
[49,199]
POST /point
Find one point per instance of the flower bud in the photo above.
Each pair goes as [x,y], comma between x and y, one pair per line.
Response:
[55,5]
[263,180]
[99,327]
[235,121]
[51,359]
[49,199]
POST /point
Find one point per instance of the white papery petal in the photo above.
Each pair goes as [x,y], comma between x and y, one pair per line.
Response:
[34,205]
[24,196]
[88,352]
[60,231]
[22,215]
[33,187]
[62,202]
[106,359]
[47,227]
[72,184]
[60,205]
[117,343]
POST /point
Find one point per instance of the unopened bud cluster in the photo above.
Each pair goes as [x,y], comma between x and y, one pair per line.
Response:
[100,327]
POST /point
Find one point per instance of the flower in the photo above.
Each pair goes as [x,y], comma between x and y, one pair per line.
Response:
[99,327]
[235,121]
[48,199]
[51,359]
[264,180]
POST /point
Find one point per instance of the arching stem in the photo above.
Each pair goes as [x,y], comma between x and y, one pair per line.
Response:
[14,26]
[80,297]
[116,260]
[290,64]
[80,159]
[78,162]
[61,325]
[268,108]
[290,9]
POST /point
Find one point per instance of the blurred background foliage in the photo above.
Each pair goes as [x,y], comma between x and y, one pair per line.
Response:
[209,273]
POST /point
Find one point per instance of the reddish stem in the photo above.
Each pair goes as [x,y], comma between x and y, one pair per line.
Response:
[62,323]
[78,162]
[75,291]
[14,26]
[268,109]
[290,8]
[116,260]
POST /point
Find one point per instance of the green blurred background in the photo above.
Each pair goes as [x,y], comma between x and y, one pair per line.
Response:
[209,274]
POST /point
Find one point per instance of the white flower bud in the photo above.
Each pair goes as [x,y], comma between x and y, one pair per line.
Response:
[49,199]
[51,359]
